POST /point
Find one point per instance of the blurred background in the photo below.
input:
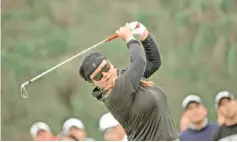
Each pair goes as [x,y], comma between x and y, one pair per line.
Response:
[198,43]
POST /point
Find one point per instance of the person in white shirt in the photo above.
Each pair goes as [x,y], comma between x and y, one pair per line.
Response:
[111,128]
[75,128]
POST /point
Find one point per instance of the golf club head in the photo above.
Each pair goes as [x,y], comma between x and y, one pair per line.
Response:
[24,92]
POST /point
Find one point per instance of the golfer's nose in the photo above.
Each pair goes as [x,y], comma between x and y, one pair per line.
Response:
[105,74]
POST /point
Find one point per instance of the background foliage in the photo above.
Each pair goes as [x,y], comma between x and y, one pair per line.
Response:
[198,42]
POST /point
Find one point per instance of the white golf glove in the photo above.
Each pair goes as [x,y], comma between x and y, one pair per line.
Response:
[137,31]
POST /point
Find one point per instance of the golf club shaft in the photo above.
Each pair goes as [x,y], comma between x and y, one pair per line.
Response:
[53,68]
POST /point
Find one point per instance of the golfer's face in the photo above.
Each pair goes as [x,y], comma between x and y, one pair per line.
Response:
[104,75]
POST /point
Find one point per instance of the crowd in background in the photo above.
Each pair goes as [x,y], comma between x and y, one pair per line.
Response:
[197,39]
[74,130]
[194,124]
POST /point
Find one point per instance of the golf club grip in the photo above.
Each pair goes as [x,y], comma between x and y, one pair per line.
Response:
[111,38]
[115,35]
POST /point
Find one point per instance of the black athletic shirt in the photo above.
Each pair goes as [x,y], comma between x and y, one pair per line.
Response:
[142,111]
[226,133]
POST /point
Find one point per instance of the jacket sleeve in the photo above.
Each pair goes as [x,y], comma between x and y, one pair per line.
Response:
[137,64]
[152,56]
[121,96]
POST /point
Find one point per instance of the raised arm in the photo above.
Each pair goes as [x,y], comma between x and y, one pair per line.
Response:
[137,65]
[152,56]
[121,95]
[151,48]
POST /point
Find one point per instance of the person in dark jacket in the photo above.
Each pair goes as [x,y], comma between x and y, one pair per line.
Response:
[139,105]
[222,98]
[199,128]
[227,106]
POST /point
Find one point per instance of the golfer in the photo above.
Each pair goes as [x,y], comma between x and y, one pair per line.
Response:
[139,105]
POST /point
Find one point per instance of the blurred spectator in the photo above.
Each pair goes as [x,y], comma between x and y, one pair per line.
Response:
[199,129]
[222,98]
[183,123]
[227,107]
[75,128]
[113,131]
[40,131]
[66,138]
[63,137]
[219,118]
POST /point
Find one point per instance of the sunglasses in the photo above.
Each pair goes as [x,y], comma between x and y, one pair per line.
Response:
[99,75]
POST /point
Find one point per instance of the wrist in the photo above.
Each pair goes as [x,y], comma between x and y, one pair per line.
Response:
[144,35]
[129,38]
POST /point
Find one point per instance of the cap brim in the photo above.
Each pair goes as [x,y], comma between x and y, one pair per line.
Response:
[191,101]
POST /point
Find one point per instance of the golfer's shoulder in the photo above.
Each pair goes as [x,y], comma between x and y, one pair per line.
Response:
[121,81]
[124,78]
[122,84]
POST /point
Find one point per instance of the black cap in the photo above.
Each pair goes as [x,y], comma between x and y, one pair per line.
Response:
[89,65]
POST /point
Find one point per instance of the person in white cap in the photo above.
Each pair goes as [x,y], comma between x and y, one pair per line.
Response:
[40,131]
[227,108]
[113,131]
[75,128]
[199,129]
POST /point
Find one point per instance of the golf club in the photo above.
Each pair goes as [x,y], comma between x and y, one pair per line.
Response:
[23,89]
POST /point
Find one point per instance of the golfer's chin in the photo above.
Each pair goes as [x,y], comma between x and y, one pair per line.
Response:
[105,86]
[110,84]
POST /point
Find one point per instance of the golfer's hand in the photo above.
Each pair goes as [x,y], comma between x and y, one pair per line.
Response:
[141,30]
[125,33]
